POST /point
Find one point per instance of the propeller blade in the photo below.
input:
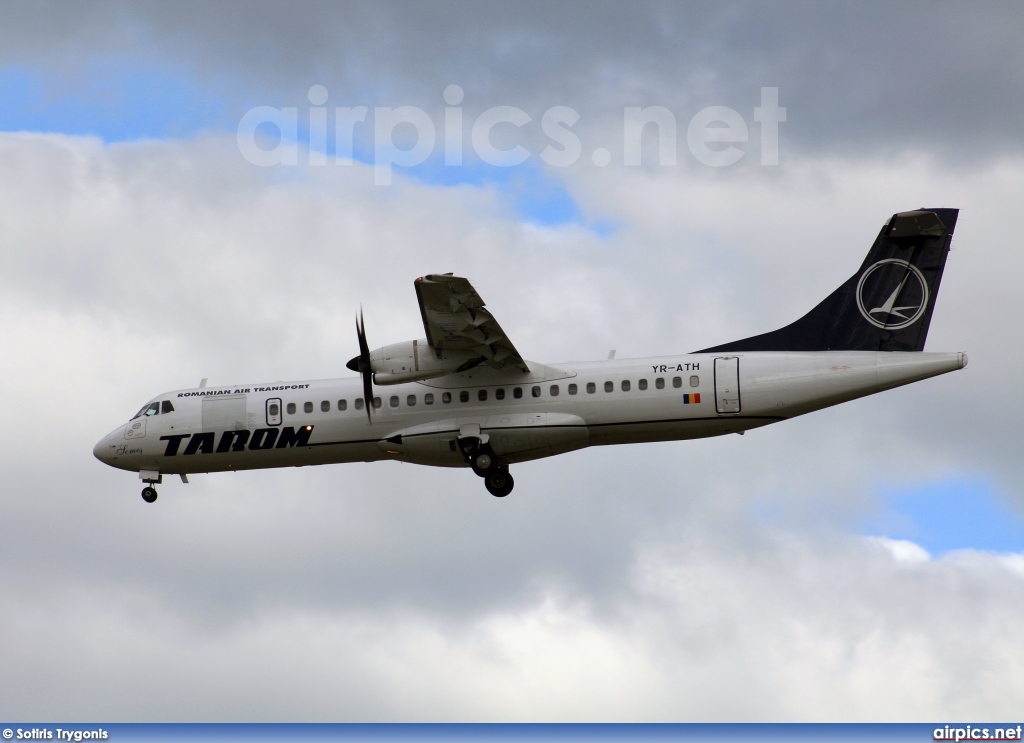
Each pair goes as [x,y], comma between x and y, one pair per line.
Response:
[364,350]
[361,364]
[368,392]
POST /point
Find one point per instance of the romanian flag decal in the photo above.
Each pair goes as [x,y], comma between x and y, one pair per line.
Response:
[694,398]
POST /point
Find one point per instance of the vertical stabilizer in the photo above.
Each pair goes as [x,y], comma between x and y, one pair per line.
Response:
[886,306]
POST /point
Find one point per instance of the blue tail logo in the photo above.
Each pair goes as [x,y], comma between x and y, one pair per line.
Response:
[896,293]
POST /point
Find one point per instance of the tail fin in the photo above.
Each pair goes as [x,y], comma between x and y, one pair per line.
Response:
[886,306]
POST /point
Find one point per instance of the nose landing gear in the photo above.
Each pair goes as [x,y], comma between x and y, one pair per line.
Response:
[484,462]
[151,478]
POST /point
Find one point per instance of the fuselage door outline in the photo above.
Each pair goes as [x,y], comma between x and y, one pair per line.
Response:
[274,411]
[727,384]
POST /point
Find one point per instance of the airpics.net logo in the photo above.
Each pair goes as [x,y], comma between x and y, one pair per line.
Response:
[715,136]
[976,732]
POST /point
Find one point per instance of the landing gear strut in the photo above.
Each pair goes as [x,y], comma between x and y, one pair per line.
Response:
[479,455]
[149,494]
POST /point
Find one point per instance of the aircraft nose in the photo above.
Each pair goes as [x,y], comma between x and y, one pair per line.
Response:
[102,450]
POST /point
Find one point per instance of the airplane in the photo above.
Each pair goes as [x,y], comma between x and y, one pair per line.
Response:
[465,396]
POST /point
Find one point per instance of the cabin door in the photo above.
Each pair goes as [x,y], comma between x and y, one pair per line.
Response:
[727,384]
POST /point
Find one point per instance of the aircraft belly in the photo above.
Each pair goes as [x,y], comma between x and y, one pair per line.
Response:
[674,430]
[300,456]
[515,437]
[544,435]
[431,444]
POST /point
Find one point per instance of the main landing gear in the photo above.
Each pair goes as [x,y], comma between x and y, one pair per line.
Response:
[499,482]
[479,455]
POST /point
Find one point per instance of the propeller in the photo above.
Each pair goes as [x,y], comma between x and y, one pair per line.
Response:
[361,364]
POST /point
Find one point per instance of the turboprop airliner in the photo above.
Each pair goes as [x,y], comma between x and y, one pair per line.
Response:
[464,396]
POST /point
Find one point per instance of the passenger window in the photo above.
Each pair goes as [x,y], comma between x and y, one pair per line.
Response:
[591,388]
[517,392]
[499,394]
[410,400]
[377,403]
[273,410]
[660,383]
[554,390]
[625,385]
[464,396]
[166,407]
[393,402]
[342,404]
[573,389]
[695,381]
[535,391]
[325,406]
[428,399]
[609,386]
[481,395]
[446,397]
[359,403]
[642,384]
[677,382]
[291,408]
[308,407]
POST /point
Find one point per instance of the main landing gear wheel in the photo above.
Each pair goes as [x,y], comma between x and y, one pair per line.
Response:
[483,462]
[499,482]
[149,494]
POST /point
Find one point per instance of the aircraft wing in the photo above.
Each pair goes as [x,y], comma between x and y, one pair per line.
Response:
[455,319]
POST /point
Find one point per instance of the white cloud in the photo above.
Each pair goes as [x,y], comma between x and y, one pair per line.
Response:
[782,629]
[902,550]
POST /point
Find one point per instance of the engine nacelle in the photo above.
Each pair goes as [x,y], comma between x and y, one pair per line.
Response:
[413,360]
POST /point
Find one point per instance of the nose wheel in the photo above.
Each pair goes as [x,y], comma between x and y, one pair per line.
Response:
[149,494]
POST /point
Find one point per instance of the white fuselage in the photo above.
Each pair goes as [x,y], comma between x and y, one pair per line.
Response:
[556,409]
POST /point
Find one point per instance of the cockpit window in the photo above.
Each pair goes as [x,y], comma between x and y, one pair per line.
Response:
[166,407]
[152,408]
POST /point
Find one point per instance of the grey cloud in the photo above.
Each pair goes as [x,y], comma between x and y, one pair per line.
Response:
[855,78]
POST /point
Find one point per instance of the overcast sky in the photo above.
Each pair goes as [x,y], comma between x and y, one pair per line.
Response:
[860,563]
